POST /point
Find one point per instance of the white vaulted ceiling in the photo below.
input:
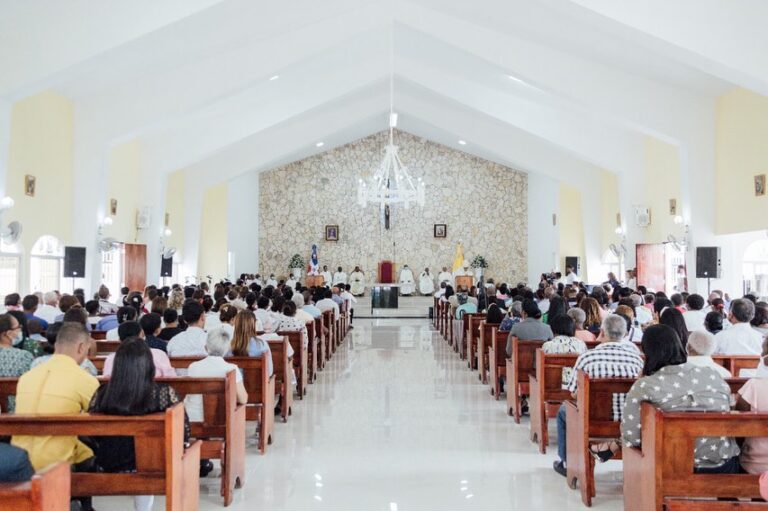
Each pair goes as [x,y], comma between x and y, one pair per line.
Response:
[547,86]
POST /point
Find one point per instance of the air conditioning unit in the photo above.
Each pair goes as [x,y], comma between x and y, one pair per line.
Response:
[642,216]
[143,217]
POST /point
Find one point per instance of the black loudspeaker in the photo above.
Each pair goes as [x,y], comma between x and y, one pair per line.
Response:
[707,262]
[74,262]
[166,267]
[573,262]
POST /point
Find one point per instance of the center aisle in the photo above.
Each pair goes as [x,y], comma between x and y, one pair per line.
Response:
[396,422]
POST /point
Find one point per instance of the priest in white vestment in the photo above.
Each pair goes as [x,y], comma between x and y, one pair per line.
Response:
[357,282]
[326,276]
[445,276]
[291,282]
[406,281]
[272,281]
[339,277]
[426,284]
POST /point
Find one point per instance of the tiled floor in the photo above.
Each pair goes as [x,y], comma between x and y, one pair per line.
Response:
[397,423]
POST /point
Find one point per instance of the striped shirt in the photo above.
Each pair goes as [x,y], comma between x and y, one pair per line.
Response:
[610,360]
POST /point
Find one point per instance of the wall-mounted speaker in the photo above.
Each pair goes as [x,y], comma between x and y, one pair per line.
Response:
[74,262]
[166,267]
[708,262]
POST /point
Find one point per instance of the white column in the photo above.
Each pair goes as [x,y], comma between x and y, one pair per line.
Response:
[194,192]
[243,224]
[543,239]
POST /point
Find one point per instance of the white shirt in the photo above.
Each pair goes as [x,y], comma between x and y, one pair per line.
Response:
[271,282]
[739,339]
[212,321]
[188,343]
[632,284]
[644,316]
[348,297]
[440,292]
[304,316]
[706,361]
[326,277]
[264,318]
[339,278]
[209,367]
[48,313]
[571,278]
[106,307]
[327,304]
[112,335]
[694,320]
[444,276]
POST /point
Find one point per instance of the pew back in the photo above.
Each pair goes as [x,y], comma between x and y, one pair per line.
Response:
[49,490]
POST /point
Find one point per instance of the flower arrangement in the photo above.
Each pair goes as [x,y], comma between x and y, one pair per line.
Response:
[296,262]
[479,262]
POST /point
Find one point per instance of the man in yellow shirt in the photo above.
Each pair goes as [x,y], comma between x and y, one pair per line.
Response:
[58,387]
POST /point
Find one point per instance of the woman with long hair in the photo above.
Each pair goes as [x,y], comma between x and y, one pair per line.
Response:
[131,390]
[674,319]
[591,309]
[245,342]
[494,314]
[557,307]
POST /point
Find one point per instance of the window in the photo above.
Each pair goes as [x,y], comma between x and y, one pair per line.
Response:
[10,268]
[755,269]
[46,265]
[612,264]
[112,269]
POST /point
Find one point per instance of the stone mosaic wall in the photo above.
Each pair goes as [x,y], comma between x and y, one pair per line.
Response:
[484,205]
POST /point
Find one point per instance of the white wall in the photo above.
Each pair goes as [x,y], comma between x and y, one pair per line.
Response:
[243,215]
[543,238]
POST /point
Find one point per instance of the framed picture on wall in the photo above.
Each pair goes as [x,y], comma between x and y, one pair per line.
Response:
[331,233]
[441,230]
[760,185]
[29,185]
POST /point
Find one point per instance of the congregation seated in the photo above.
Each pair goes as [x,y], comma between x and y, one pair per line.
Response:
[464,306]
[29,307]
[753,396]
[290,323]
[670,383]
[151,324]
[49,308]
[579,316]
[246,342]
[131,331]
[612,358]
[131,391]
[15,466]
[59,386]
[190,342]
[740,338]
[327,303]
[530,328]
[514,316]
[172,328]
[564,341]
[23,339]
[674,319]
[13,361]
[701,345]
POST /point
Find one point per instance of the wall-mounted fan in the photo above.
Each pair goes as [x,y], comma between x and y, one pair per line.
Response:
[618,251]
[12,233]
[677,244]
[108,245]
[169,252]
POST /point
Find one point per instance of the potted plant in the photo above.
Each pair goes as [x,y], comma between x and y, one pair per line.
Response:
[296,265]
[479,264]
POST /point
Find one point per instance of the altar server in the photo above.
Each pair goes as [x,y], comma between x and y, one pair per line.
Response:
[339,277]
[406,281]
[326,276]
[445,276]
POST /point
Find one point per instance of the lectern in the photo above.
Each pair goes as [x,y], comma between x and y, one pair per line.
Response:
[315,281]
[464,281]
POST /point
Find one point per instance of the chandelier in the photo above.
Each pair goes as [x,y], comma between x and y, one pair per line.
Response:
[391,182]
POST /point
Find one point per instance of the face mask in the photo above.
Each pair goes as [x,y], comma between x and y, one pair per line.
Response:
[18,338]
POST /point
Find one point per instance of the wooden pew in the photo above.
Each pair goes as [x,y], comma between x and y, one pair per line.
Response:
[518,368]
[546,393]
[590,418]
[261,392]
[300,360]
[106,347]
[497,356]
[283,368]
[312,353]
[163,465]
[660,474]
[222,430]
[444,320]
[435,316]
[329,324]
[48,490]
[471,331]
[735,363]
[484,342]
[321,351]
[99,335]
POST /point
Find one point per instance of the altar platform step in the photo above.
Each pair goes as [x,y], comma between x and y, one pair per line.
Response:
[408,307]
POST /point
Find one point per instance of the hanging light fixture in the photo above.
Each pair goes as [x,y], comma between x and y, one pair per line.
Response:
[391,182]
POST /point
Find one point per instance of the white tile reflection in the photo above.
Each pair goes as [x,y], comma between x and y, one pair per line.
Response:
[399,420]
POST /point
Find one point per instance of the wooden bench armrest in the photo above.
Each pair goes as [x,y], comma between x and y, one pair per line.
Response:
[48,490]
[190,477]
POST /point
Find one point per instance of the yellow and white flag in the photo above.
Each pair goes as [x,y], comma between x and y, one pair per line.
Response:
[458,259]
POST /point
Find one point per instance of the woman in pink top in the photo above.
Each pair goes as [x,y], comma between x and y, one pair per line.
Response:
[753,396]
[131,331]
[579,316]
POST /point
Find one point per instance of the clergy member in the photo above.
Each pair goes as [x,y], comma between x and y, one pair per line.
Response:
[426,285]
[406,281]
[357,282]
[272,281]
[326,276]
[339,277]
[445,276]
[291,282]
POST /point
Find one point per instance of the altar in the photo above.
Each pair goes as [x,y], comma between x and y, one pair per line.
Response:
[384,296]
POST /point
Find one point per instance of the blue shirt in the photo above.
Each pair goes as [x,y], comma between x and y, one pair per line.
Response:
[107,323]
[258,346]
[467,307]
[314,311]
[42,322]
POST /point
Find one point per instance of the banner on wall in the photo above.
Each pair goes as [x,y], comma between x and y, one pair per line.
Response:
[314,263]
[458,259]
